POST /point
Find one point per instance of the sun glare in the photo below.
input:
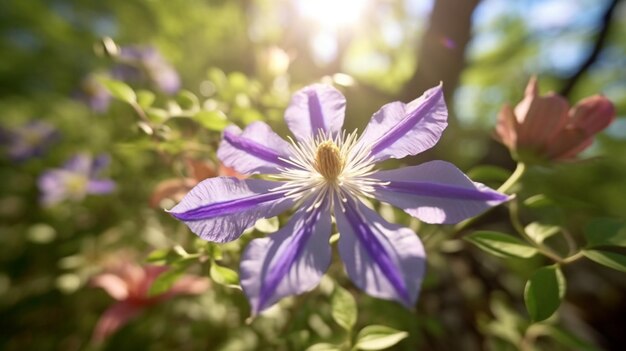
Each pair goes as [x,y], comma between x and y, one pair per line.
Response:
[332,14]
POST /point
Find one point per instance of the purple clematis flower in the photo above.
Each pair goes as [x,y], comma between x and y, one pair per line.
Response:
[138,62]
[29,140]
[77,178]
[326,172]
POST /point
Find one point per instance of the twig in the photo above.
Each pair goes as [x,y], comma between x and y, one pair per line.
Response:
[595,52]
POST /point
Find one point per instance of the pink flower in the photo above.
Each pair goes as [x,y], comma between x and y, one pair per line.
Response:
[129,284]
[546,126]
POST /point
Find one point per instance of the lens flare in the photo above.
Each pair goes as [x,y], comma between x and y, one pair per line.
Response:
[332,14]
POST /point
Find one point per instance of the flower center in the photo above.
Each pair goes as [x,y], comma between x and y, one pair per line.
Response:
[328,160]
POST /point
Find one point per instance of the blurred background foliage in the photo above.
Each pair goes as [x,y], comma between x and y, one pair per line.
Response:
[238,61]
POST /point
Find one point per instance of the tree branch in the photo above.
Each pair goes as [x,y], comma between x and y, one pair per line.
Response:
[441,56]
[595,52]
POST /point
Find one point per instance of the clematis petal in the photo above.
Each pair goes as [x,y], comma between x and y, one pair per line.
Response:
[220,209]
[100,186]
[52,186]
[436,192]
[289,262]
[256,149]
[79,163]
[383,259]
[317,107]
[399,129]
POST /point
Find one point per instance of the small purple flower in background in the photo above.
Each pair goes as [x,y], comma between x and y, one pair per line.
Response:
[137,63]
[129,284]
[94,94]
[77,178]
[326,171]
[28,140]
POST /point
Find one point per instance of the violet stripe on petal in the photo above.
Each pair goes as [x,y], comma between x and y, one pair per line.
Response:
[226,208]
[443,190]
[407,123]
[255,149]
[300,237]
[376,251]
[316,113]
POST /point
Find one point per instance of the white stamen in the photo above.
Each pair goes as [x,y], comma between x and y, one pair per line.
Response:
[303,181]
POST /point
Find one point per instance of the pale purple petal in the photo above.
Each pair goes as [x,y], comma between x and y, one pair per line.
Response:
[315,108]
[100,163]
[288,262]
[100,186]
[220,209]
[255,150]
[79,163]
[436,192]
[383,259]
[399,129]
[52,185]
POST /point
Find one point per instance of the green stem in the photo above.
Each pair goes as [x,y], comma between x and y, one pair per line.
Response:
[514,178]
[517,224]
[573,258]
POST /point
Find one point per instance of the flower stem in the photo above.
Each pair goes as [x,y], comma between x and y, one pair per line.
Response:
[517,224]
[514,178]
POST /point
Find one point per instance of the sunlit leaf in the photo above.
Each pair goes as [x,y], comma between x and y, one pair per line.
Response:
[213,120]
[224,276]
[145,98]
[540,232]
[344,310]
[501,245]
[378,337]
[165,281]
[323,347]
[544,292]
[120,90]
[609,259]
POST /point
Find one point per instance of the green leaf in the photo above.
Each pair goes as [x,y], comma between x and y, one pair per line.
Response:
[120,90]
[540,232]
[187,100]
[544,292]
[378,337]
[488,173]
[609,259]
[213,120]
[605,232]
[501,245]
[343,308]
[224,276]
[323,347]
[538,201]
[145,98]
[157,115]
[165,281]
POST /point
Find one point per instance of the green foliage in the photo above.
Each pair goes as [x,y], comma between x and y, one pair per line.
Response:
[544,292]
[501,245]
[378,337]
[610,259]
[344,309]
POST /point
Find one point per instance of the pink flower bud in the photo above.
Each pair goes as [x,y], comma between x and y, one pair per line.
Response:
[546,126]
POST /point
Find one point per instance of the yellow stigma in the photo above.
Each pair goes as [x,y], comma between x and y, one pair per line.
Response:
[328,160]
